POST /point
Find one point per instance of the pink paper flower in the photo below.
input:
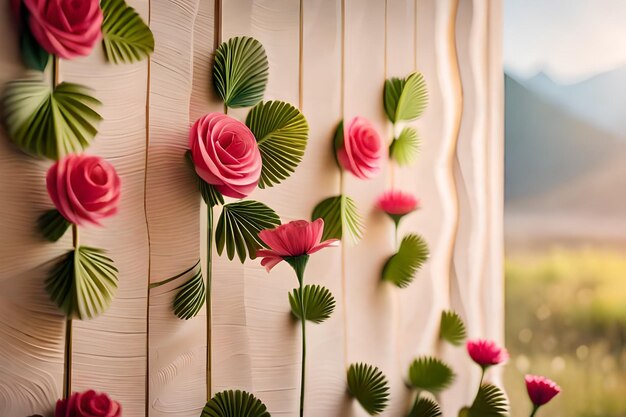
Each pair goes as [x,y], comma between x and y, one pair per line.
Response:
[540,389]
[296,238]
[486,352]
[225,154]
[65,28]
[84,188]
[397,203]
[361,151]
[88,404]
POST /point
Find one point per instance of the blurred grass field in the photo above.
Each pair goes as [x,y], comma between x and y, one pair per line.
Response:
[566,319]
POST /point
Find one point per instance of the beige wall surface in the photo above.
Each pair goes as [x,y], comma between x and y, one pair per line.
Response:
[329,58]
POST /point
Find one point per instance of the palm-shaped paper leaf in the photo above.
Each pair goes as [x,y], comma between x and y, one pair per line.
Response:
[239,225]
[405,147]
[425,407]
[317,303]
[52,225]
[490,402]
[452,328]
[341,217]
[281,132]
[401,267]
[430,374]
[83,283]
[240,72]
[234,404]
[125,36]
[50,122]
[190,297]
[369,386]
[405,98]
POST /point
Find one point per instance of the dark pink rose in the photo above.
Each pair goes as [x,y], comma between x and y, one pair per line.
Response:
[361,152]
[84,188]
[65,28]
[225,154]
[88,404]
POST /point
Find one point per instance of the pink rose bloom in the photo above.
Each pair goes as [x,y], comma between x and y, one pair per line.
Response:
[293,239]
[397,203]
[65,28]
[486,352]
[540,389]
[84,188]
[225,154]
[88,404]
[362,150]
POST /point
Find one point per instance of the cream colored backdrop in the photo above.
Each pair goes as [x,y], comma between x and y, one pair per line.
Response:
[330,58]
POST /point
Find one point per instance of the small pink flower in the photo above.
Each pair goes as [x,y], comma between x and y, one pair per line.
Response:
[65,28]
[84,188]
[540,389]
[225,154]
[486,352]
[361,151]
[397,203]
[293,239]
[88,404]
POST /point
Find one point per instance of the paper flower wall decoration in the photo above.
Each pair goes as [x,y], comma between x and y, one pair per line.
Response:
[88,404]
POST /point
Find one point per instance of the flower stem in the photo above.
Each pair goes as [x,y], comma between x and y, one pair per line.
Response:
[303,372]
[535,408]
[67,355]
[209,315]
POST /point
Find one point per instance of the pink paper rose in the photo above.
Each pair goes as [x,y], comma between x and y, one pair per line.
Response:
[65,28]
[84,188]
[88,404]
[362,150]
[225,154]
[486,352]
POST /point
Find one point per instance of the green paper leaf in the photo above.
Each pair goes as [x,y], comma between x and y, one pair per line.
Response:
[125,36]
[318,302]
[190,297]
[490,402]
[239,226]
[240,72]
[52,225]
[369,386]
[405,148]
[405,98]
[83,283]
[401,268]
[234,404]
[430,374]
[50,122]
[452,328]
[33,55]
[340,215]
[281,132]
[425,407]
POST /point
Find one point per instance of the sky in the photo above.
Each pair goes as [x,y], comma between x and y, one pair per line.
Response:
[570,40]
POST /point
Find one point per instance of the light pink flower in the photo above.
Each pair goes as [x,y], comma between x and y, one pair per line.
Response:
[486,352]
[397,203]
[65,28]
[295,238]
[88,404]
[541,389]
[225,154]
[84,188]
[361,152]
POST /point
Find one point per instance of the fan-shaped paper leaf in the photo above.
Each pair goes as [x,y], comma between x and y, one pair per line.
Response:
[281,132]
[452,328]
[240,72]
[190,297]
[50,122]
[369,386]
[52,225]
[341,217]
[125,36]
[405,147]
[430,374]
[239,225]
[425,407]
[405,98]
[490,402]
[83,283]
[401,268]
[234,404]
[318,302]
